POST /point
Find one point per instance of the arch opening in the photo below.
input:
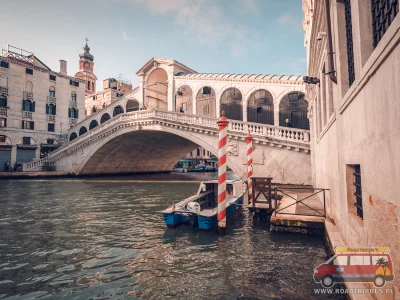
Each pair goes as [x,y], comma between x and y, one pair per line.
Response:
[105,117]
[156,90]
[5,153]
[293,107]
[93,124]
[231,103]
[82,130]
[118,110]
[184,99]
[26,150]
[205,102]
[73,136]
[132,105]
[260,107]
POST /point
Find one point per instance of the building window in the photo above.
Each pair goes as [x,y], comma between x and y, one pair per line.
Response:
[357,190]
[28,125]
[26,140]
[29,71]
[4,64]
[52,77]
[349,38]
[50,109]
[93,86]
[51,128]
[73,97]
[2,138]
[74,83]
[3,123]
[3,101]
[383,14]
[52,91]
[28,105]
[88,85]
[73,113]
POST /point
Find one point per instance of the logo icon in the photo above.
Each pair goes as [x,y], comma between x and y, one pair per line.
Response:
[356,265]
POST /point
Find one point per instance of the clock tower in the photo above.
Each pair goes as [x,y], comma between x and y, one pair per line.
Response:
[86,63]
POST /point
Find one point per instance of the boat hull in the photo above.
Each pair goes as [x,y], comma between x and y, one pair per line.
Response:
[174,220]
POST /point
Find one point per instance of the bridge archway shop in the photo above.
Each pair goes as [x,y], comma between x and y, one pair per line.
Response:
[26,150]
[5,151]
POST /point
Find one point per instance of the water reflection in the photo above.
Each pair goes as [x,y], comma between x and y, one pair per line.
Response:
[100,239]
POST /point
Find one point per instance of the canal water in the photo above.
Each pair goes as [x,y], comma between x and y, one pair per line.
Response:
[105,239]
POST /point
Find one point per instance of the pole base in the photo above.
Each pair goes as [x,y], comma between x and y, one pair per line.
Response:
[221,230]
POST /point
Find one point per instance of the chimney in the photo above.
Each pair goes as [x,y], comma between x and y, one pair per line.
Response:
[63,67]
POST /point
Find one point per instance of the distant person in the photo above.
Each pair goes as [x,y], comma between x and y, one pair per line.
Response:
[288,124]
[181,109]
[15,167]
[5,167]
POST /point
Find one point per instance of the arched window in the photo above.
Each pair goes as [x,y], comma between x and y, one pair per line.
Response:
[3,81]
[28,105]
[29,87]
[52,91]
[73,113]
[198,151]
[93,86]
[3,101]
[260,108]
[88,85]
[205,102]
[51,109]
[73,97]
[105,118]
[231,103]
[293,107]
[118,110]
[132,105]
[73,136]
[183,99]
[82,130]
[93,124]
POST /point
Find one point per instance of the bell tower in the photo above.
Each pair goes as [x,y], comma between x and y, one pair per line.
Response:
[86,63]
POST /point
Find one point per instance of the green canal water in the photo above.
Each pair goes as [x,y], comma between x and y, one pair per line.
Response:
[105,239]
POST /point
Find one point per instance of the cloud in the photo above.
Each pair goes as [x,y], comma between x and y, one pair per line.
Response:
[298,66]
[205,21]
[288,19]
[249,6]
[124,36]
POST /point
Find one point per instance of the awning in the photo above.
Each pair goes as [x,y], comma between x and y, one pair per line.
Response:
[26,146]
[50,145]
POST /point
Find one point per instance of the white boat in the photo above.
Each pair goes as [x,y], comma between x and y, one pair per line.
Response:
[200,210]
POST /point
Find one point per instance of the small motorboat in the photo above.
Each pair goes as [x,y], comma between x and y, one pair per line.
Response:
[201,210]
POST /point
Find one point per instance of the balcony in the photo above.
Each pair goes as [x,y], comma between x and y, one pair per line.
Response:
[3,90]
[73,121]
[28,96]
[27,114]
[3,111]
[73,103]
[51,118]
[51,100]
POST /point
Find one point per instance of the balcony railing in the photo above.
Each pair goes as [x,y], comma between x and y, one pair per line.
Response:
[28,96]
[27,114]
[51,118]
[73,103]
[73,121]
[3,111]
[51,100]
[3,90]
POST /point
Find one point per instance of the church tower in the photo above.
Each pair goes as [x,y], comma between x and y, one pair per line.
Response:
[86,63]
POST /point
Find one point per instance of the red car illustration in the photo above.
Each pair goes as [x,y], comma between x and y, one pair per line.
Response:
[356,265]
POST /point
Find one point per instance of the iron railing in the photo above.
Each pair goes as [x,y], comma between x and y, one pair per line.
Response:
[3,90]
[28,96]
[27,114]
[383,14]
[51,100]
[358,191]
[3,111]
[316,191]
[349,38]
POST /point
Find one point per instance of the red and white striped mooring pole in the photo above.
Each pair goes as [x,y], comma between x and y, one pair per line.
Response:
[249,142]
[222,157]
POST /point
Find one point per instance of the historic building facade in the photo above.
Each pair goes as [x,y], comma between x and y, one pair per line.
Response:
[37,105]
[353,56]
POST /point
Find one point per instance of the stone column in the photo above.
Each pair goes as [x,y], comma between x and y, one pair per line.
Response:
[13,155]
[244,110]
[171,91]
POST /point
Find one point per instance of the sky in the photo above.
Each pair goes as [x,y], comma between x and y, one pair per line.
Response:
[209,36]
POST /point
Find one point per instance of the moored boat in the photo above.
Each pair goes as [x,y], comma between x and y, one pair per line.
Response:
[201,210]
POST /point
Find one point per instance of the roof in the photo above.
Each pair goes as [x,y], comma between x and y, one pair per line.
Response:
[166,61]
[298,78]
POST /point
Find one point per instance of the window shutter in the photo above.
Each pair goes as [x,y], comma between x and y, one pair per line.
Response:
[55,109]
[5,122]
[23,127]
[32,125]
[77,113]
[23,104]
[33,106]
[47,109]
[69,112]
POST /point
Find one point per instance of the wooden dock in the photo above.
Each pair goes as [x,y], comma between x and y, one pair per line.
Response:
[300,208]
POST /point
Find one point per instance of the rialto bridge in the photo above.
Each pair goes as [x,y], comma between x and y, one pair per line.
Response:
[123,139]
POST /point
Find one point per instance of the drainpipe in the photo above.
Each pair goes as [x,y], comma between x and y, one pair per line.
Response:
[331,67]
